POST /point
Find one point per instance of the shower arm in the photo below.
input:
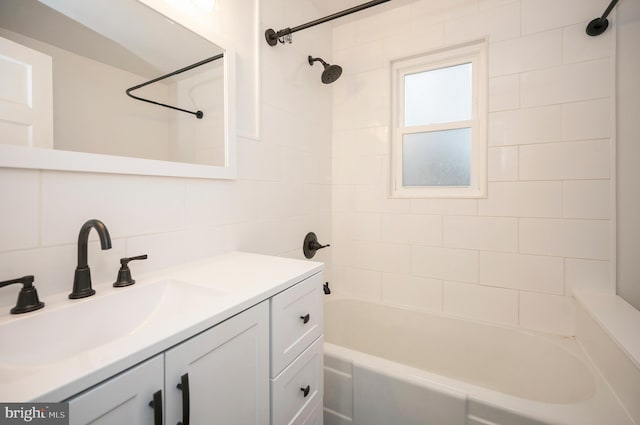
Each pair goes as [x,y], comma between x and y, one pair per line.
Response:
[600,25]
[273,37]
[198,114]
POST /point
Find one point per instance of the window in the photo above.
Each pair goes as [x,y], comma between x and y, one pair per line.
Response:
[439,115]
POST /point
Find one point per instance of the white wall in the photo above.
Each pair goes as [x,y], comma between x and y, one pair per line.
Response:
[282,191]
[628,147]
[547,223]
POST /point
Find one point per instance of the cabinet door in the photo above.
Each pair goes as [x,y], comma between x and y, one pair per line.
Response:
[223,373]
[123,399]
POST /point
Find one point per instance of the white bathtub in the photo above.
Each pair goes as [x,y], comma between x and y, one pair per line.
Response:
[393,366]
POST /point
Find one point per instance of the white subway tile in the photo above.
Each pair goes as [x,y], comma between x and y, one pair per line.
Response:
[526,126]
[203,204]
[503,164]
[587,239]
[578,46]
[343,143]
[358,226]
[20,212]
[444,263]
[411,291]
[588,274]
[537,51]
[361,112]
[427,12]
[360,58]
[173,248]
[343,251]
[372,141]
[523,199]
[567,83]
[425,35]
[587,120]
[499,23]
[128,205]
[259,160]
[481,302]
[504,93]
[444,206]
[412,229]
[373,84]
[587,199]
[386,257]
[541,15]
[375,198]
[343,198]
[547,313]
[566,161]
[358,283]
[486,233]
[392,22]
[344,36]
[518,271]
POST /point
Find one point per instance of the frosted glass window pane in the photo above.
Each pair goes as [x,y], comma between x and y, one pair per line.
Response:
[438,96]
[437,158]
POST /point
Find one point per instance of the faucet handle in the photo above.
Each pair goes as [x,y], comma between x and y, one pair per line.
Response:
[124,274]
[27,297]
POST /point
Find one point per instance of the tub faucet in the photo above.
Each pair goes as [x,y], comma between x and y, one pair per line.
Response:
[82,278]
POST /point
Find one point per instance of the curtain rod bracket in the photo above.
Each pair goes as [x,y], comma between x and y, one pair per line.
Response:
[273,37]
[198,114]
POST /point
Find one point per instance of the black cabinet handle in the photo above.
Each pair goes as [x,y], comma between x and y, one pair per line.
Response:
[156,404]
[305,318]
[305,390]
[184,387]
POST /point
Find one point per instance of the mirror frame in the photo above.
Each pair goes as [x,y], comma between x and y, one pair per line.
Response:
[52,159]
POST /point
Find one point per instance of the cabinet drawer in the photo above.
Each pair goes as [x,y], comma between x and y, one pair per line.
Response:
[315,418]
[299,388]
[296,321]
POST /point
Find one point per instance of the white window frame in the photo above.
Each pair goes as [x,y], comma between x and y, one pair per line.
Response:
[474,53]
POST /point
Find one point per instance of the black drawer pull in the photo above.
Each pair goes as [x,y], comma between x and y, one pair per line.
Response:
[156,404]
[305,390]
[184,387]
[305,318]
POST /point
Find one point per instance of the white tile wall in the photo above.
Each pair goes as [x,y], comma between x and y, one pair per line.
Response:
[545,225]
[519,271]
[412,291]
[481,302]
[558,317]
[566,161]
[503,164]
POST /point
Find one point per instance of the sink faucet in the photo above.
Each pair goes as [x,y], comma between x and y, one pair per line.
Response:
[82,278]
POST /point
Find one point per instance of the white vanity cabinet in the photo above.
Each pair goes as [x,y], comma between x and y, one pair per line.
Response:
[258,362]
[227,369]
[297,353]
[123,399]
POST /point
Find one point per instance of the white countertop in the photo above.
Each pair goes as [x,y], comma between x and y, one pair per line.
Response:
[244,279]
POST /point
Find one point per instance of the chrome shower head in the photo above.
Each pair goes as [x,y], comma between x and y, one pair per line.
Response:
[331,72]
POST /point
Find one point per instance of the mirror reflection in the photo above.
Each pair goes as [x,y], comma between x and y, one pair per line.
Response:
[97,51]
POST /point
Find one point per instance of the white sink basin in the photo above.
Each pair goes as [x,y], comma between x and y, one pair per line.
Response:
[71,328]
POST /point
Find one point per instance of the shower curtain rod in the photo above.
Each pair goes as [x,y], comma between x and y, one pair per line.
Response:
[600,25]
[273,37]
[198,114]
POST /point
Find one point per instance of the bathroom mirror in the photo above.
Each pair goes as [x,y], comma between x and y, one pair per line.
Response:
[72,112]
